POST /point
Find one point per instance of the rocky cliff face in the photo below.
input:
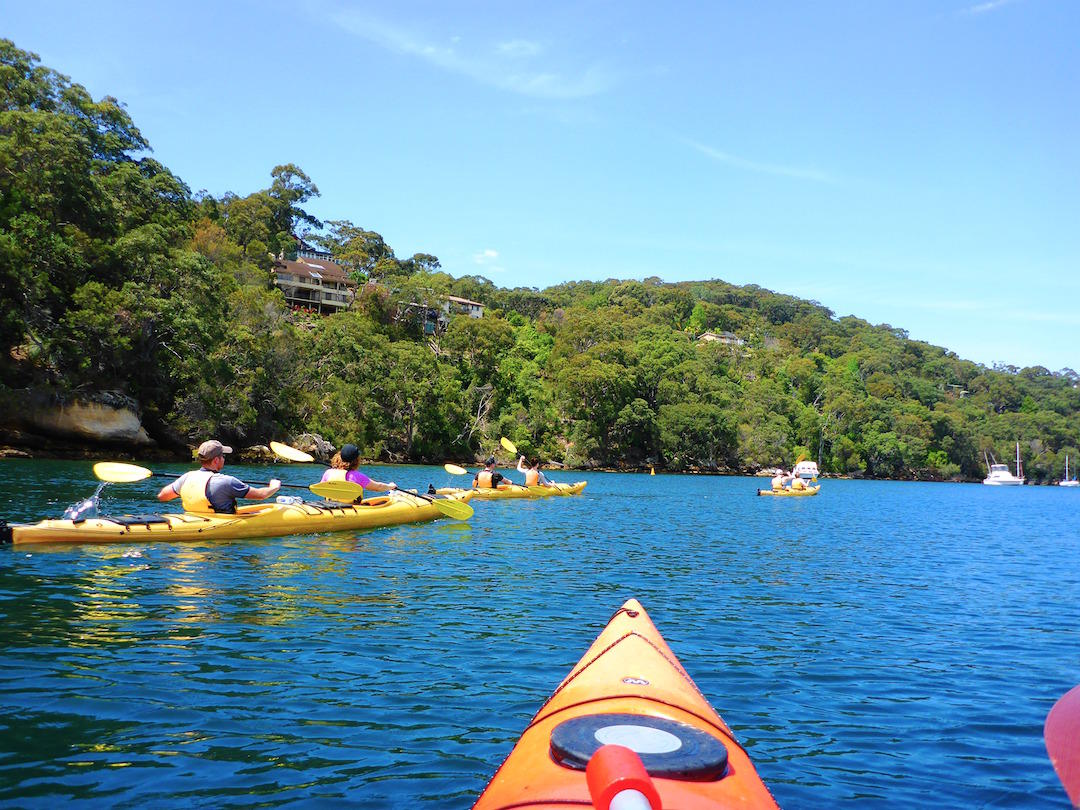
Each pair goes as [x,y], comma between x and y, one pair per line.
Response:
[103,418]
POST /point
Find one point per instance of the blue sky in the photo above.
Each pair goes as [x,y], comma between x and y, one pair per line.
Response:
[914,162]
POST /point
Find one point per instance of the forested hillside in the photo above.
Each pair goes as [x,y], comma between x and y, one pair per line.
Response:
[115,277]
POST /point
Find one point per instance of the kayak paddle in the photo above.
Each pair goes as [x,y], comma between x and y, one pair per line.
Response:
[454,469]
[116,472]
[342,491]
[291,453]
[1062,735]
[451,508]
[508,445]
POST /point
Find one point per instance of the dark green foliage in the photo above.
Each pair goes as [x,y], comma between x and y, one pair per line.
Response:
[113,276]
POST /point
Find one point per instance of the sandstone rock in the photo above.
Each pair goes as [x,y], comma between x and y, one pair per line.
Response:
[112,419]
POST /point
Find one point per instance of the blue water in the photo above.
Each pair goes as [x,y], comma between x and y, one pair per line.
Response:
[880,645]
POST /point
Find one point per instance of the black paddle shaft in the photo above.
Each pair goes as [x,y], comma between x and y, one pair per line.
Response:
[249,483]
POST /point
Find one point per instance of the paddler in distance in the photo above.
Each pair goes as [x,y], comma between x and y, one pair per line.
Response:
[782,480]
[207,489]
[533,476]
[488,478]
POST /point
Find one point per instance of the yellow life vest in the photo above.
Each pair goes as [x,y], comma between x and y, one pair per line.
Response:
[532,478]
[798,483]
[778,482]
[483,480]
[193,492]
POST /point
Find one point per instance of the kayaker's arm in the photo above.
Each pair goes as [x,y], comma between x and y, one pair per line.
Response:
[167,493]
[379,486]
[259,493]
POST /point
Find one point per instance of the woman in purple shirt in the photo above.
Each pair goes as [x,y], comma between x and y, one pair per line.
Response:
[343,467]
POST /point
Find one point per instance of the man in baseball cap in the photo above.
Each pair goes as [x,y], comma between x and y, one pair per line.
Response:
[206,490]
[211,450]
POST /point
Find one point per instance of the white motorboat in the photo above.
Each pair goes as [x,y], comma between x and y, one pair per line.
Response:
[1068,482]
[806,470]
[1000,476]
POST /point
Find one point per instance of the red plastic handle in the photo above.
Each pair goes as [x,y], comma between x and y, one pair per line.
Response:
[613,769]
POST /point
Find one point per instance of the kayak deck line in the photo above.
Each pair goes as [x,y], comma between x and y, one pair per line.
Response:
[540,716]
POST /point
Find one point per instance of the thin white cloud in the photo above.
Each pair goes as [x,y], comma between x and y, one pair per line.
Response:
[487,259]
[511,65]
[989,5]
[736,162]
[518,48]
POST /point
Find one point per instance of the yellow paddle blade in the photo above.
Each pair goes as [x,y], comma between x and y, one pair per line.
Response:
[459,510]
[344,491]
[454,469]
[290,453]
[119,473]
[508,445]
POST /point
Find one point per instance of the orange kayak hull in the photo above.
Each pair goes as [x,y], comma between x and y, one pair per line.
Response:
[628,673]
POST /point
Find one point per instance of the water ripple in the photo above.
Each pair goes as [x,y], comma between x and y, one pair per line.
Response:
[883,644]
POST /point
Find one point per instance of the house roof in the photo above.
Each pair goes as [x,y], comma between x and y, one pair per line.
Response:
[718,336]
[323,269]
[457,300]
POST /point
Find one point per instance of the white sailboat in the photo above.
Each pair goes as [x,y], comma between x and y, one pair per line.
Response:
[1068,482]
[1000,476]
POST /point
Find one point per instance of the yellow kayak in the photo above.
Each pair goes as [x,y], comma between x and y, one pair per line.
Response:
[517,491]
[791,493]
[253,520]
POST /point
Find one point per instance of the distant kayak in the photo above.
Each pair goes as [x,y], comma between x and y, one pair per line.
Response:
[791,493]
[517,491]
[253,520]
[628,691]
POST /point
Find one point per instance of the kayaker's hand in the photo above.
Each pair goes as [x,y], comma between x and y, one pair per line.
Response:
[392,485]
[275,485]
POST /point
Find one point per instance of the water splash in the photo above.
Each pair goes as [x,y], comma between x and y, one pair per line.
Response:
[81,510]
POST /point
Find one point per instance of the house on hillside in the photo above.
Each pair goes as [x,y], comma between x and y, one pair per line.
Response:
[314,284]
[306,250]
[432,319]
[462,306]
[727,338]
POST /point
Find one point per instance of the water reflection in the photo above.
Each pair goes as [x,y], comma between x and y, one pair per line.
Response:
[861,661]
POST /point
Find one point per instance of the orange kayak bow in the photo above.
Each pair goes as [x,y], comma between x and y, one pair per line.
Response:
[629,691]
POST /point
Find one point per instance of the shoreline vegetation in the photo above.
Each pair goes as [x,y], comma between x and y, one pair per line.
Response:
[138,318]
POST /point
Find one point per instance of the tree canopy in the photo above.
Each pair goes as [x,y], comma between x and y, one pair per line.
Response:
[114,276]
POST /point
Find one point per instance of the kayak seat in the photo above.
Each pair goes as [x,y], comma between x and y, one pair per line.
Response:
[666,748]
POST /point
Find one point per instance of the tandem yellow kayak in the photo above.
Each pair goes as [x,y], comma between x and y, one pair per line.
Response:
[517,491]
[253,520]
[791,493]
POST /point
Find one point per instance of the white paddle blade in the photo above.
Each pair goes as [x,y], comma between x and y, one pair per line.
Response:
[290,453]
[454,469]
[119,473]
